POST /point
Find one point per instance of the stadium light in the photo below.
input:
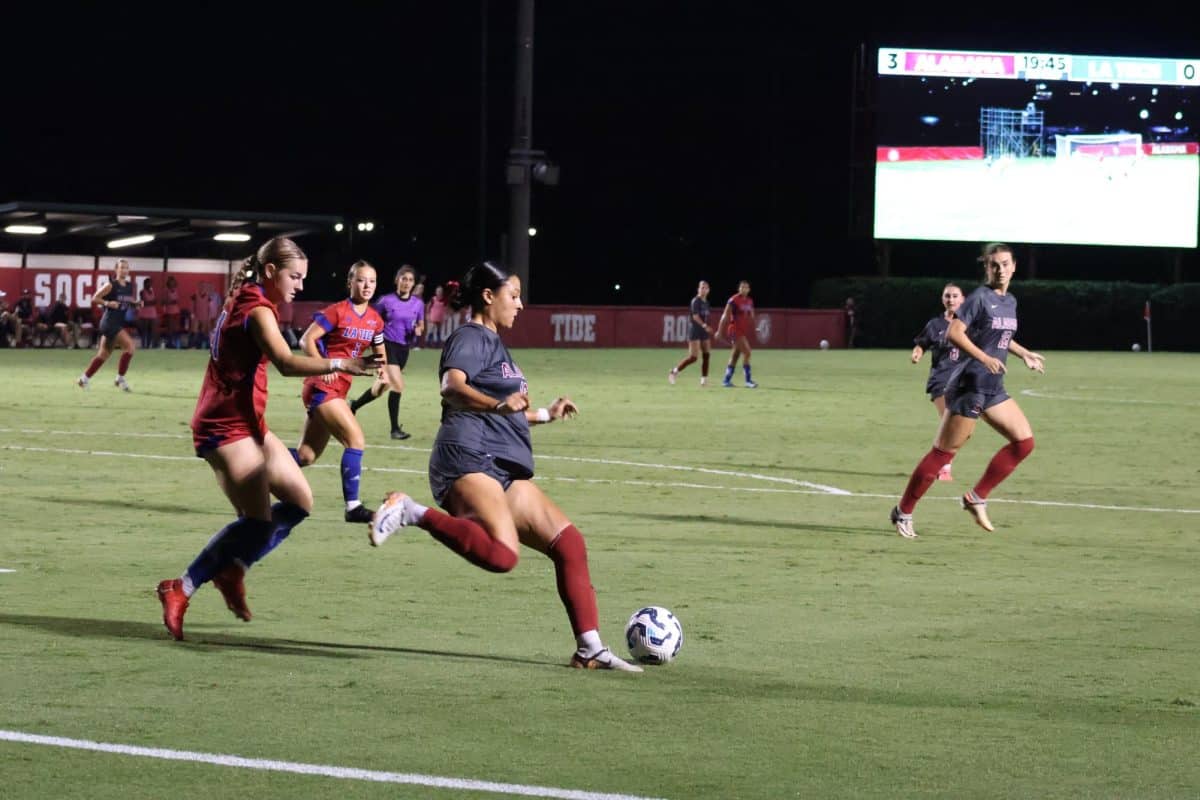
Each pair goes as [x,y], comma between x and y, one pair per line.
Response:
[26,230]
[129,241]
[337,226]
[532,231]
[232,237]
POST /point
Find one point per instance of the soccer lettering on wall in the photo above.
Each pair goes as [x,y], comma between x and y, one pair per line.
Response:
[574,327]
[675,327]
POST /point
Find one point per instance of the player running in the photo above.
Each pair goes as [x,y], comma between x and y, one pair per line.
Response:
[942,355]
[116,297]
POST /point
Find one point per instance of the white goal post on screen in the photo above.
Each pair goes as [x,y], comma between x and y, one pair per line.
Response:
[1098,145]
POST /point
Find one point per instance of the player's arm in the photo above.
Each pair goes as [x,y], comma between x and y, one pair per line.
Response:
[562,408]
[956,334]
[917,352]
[265,332]
[1035,361]
[308,340]
[460,395]
[99,298]
[724,317]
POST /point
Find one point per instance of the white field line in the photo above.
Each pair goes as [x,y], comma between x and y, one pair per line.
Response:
[821,490]
[1102,399]
[322,770]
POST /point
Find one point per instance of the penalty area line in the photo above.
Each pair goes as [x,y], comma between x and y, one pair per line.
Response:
[321,770]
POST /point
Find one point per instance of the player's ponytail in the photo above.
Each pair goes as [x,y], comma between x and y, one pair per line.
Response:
[278,251]
[481,276]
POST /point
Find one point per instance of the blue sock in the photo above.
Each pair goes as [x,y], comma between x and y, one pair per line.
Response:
[351,470]
[296,455]
[284,517]
[728,373]
[746,369]
[237,541]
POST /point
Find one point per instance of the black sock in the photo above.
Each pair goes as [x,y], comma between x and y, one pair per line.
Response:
[362,400]
[394,409]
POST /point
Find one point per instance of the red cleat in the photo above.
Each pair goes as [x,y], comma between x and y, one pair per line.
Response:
[229,582]
[174,603]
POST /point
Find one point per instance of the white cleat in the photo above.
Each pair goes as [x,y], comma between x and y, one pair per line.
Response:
[122,384]
[704,381]
[976,506]
[396,511]
[751,385]
[671,377]
[605,659]
[904,523]
[83,382]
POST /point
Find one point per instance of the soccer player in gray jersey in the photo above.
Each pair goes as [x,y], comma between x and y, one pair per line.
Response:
[943,356]
[699,332]
[481,466]
[983,331]
[116,298]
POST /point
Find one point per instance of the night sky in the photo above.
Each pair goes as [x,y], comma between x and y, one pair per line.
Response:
[695,140]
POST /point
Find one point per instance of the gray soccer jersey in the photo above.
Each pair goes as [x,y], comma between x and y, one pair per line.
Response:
[991,321]
[943,356]
[489,368]
[699,308]
[114,318]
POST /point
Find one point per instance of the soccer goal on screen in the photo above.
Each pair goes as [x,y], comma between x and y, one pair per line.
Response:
[1112,154]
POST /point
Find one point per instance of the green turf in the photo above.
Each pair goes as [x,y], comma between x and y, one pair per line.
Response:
[825,657]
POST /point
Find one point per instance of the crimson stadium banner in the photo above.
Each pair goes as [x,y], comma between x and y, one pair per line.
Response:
[76,278]
[641,326]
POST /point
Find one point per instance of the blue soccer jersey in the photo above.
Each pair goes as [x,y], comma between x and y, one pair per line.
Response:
[943,355]
[478,352]
[991,321]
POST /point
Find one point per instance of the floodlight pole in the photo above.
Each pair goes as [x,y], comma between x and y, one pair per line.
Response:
[518,173]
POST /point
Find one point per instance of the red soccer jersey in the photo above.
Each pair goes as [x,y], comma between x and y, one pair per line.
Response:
[740,309]
[233,398]
[347,335]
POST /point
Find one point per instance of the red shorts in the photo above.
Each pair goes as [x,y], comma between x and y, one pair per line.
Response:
[316,391]
[211,435]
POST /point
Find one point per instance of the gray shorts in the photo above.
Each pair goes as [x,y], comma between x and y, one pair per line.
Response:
[449,462]
[971,403]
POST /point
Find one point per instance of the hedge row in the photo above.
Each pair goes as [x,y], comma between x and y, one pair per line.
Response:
[1061,315]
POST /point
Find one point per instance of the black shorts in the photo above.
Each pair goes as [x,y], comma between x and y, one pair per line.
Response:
[111,330]
[697,334]
[971,403]
[449,462]
[397,354]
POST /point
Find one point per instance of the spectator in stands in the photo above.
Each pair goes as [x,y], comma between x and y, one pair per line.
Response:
[851,321]
[58,326]
[172,323]
[10,326]
[202,315]
[147,315]
[27,317]
[435,316]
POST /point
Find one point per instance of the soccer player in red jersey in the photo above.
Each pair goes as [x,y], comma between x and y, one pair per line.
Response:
[739,316]
[342,330]
[231,434]
[982,331]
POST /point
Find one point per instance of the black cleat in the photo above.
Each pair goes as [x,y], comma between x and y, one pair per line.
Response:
[360,514]
[400,433]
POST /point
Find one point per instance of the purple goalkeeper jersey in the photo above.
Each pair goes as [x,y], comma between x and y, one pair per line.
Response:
[400,317]
[991,321]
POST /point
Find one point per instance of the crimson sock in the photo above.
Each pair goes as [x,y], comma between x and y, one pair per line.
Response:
[923,477]
[689,360]
[92,368]
[1002,465]
[469,540]
[569,554]
[704,365]
[123,364]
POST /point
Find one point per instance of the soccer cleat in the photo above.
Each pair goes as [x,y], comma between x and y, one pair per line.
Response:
[396,511]
[727,384]
[174,604]
[400,433]
[976,506]
[359,514]
[751,385]
[605,659]
[944,474]
[121,383]
[671,377]
[83,382]
[903,522]
[704,381]
[230,583]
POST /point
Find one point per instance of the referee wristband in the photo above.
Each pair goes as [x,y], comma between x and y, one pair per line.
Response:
[543,415]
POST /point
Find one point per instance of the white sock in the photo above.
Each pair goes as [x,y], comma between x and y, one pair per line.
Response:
[188,588]
[589,643]
[353,504]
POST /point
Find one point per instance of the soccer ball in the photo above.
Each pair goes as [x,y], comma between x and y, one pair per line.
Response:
[824,344]
[1136,347]
[654,635]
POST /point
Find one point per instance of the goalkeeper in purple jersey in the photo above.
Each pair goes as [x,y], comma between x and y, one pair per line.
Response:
[982,331]
[943,356]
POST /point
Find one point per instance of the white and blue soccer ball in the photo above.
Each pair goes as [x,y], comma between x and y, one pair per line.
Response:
[654,635]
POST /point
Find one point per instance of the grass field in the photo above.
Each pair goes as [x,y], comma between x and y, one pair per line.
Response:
[826,657]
